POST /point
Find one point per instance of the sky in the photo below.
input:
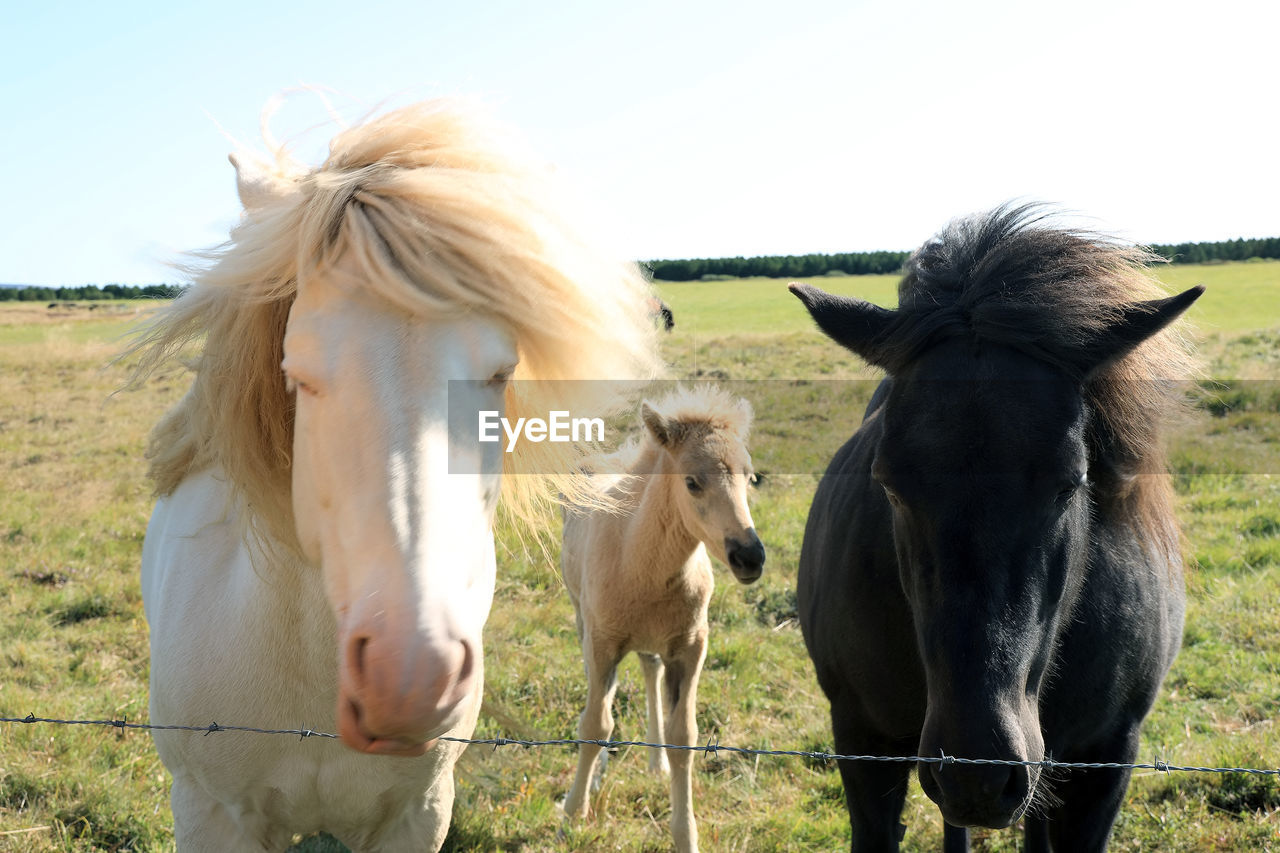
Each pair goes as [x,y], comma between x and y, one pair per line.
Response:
[688,128]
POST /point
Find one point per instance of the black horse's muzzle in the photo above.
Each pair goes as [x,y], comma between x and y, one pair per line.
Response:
[746,557]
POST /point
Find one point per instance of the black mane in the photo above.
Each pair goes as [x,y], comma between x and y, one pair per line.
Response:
[1010,277]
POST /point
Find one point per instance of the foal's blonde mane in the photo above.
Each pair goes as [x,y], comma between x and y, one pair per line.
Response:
[708,406]
[443,217]
[701,410]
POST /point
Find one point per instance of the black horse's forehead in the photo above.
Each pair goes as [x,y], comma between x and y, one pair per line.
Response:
[999,413]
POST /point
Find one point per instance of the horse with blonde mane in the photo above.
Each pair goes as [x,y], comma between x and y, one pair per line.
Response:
[640,578]
[312,561]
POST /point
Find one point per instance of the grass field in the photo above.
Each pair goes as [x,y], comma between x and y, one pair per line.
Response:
[74,504]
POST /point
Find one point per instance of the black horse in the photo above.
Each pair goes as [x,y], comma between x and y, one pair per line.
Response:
[991,564]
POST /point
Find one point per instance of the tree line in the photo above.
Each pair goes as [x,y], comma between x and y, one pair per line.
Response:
[1225,250]
[88,293]
[695,269]
[889,263]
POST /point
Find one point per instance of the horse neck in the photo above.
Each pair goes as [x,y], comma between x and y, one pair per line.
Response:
[656,528]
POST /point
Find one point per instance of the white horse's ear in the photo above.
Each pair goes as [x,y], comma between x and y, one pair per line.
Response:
[255,182]
[662,429]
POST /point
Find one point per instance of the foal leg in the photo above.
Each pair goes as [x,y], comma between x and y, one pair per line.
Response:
[653,672]
[682,730]
[596,723]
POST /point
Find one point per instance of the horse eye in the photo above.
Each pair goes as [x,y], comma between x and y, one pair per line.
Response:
[293,385]
[1068,492]
[894,497]
[692,484]
[755,479]
[501,377]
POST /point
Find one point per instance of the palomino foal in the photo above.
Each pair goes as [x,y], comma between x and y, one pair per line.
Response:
[640,577]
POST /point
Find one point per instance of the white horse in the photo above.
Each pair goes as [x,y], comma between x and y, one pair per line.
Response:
[314,561]
[640,578]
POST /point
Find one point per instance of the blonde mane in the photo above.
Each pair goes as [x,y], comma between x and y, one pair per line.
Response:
[702,408]
[443,218]
[708,406]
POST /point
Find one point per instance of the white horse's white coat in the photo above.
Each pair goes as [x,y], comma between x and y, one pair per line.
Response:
[407,561]
[257,657]
[312,562]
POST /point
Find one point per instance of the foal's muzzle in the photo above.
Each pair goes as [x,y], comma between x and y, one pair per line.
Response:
[746,556]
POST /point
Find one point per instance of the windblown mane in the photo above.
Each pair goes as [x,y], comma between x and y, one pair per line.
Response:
[707,406]
[444,218]
[1011,278]
[701,407]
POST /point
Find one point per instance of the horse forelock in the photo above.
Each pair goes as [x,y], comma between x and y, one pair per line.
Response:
[1011,278]
[709,406]
[443,216]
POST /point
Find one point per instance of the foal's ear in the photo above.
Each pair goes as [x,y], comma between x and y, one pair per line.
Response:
[1137,323]
[664,431]
[851,322]
[256,184]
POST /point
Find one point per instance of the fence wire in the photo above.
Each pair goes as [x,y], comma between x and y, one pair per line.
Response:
[710,748]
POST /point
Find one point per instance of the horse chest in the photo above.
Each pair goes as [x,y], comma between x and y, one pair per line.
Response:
[655,612]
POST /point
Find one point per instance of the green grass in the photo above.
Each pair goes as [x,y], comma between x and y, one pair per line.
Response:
[760,305]
[73,643]
[1240,297]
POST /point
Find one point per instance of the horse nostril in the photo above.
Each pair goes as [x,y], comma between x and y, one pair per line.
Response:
[1015,789]
[747,555]
[356,658]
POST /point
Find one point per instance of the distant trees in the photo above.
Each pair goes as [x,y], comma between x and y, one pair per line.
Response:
[711,269]
[1226,250]
[780,266]
[89,293]
[888,263]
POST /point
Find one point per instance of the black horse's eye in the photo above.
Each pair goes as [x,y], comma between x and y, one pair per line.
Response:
[692,484]
[1069,491]
[894,497]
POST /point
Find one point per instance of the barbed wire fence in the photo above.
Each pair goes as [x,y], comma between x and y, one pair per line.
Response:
[711,748]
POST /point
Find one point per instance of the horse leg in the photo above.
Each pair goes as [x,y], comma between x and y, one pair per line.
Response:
[682,730]
[1089,803]
[874,791]
[204,825]
[596,723]
[1035,835]
[1089,800]
[955,839]
[653,672]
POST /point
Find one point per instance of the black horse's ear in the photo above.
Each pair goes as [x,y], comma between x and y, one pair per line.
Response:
[851,322]
[1137,323]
